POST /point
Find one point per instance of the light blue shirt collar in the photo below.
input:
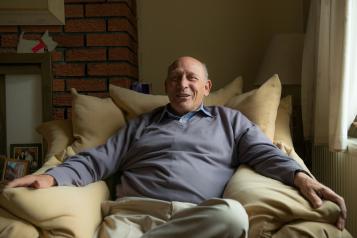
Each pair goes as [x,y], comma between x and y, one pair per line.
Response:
[184,118]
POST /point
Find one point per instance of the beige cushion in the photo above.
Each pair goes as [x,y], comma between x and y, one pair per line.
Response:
[134,103]
[271,204]
[94,120]
[260,105]
[57,134]
[282,122]
[69,211]
[13,227]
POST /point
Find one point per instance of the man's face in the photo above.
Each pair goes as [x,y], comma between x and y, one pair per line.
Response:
[187,85]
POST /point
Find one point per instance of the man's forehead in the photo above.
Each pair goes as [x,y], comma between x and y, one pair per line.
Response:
[192,66]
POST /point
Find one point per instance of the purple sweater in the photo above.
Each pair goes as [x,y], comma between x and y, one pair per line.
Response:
[160,157]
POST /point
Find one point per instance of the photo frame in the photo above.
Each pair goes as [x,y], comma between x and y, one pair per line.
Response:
[29,152]
[14,168]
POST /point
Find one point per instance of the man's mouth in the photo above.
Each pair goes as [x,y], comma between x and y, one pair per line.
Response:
[183,95]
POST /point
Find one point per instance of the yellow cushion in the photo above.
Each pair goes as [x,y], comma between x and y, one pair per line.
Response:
[56,211]
[13,227]
[260,105]
[271,204]
[282,122]
[94,120]
[57,134]
[134,103]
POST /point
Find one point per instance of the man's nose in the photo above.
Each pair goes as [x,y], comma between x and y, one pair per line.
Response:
[183,81]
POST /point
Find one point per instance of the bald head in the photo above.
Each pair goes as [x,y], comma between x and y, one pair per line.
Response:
[174,64]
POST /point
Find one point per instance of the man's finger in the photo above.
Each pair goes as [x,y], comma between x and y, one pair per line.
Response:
[313,198]
[332,196]
[21,182]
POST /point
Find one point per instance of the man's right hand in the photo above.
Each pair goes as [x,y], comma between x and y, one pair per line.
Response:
[33,181]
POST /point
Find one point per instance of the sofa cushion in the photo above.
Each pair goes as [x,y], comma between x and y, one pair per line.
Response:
[69,211]
[94,120]
[260,105]
[57,134]
[282,122]
[271,204]
[134,103]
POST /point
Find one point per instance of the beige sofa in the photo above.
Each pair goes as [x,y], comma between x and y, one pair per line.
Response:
[275,210]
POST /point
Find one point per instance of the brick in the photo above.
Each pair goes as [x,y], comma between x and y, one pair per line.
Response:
[121,82]
[82,1]
[130,3]
[85,25]
[107,10]
[7,50]
[57,56]
[112,69]
[99,95]
[62,99]
[69,40]
[58,85]
[74,10]
[97,54]
[68,113]
[122,24]
[32,36]
[8,28]
[87,85]
[41,29]
[9,40]
[58,113]
[68,69]
[122,54]
[116,39]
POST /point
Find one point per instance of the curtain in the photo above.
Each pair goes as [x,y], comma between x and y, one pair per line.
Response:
[329,72]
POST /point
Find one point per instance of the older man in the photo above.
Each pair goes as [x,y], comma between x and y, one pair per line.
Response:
[175,162]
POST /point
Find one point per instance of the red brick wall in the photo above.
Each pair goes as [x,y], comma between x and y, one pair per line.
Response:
[96,47]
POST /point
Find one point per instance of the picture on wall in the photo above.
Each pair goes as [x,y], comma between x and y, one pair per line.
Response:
[28,152]
[14,168]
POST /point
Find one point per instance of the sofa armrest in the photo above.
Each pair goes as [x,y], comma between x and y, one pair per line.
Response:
[57,211]
[271,204]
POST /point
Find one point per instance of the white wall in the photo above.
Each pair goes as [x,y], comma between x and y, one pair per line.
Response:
[230,36]
[23,109]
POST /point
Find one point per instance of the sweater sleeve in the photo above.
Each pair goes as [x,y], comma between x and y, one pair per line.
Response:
[256,150]
[96,163]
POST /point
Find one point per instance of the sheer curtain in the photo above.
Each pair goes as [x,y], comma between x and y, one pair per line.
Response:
[329,72]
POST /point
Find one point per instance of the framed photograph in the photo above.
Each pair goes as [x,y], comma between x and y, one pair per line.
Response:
[14,168]
[29,152]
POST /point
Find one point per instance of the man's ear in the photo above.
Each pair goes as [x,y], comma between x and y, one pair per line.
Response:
[208,87]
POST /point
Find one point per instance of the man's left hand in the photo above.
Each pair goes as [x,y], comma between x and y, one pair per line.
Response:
[314,192]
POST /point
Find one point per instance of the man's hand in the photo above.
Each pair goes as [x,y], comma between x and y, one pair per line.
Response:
[33,181]
[314,192]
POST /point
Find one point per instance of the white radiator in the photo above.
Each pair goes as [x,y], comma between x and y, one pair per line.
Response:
[338,171]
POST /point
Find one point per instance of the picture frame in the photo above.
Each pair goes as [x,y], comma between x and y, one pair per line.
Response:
[14,168]
[29,152]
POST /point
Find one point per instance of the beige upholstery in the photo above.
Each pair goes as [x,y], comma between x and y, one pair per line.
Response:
[93,132]
[275,210]
[134,103]
[257,108]
[58,134]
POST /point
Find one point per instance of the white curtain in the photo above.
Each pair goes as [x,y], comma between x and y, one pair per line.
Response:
[329,72]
